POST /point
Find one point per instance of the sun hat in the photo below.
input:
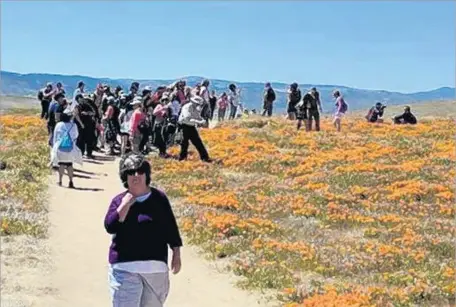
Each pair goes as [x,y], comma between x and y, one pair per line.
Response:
[137,100]
[197,100]
[165,96]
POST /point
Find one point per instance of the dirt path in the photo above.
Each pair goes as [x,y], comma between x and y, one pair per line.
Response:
[79,247]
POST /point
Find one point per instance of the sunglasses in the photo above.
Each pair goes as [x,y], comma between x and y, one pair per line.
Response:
[133,172]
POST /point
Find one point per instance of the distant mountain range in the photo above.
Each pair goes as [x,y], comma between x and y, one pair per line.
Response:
[28,85]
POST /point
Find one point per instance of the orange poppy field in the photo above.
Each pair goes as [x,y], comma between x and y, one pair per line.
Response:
[364,217]
[359,218]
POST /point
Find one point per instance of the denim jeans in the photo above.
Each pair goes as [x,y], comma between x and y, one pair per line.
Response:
[138,290]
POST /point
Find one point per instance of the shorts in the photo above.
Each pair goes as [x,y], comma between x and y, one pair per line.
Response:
[66,164]
[338,115]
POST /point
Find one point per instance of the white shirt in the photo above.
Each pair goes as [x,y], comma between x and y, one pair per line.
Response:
[75,155]
[175,107]
[234,98]
[146,266]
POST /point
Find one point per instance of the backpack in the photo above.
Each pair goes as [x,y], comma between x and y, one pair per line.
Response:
[66,144]
[343,107]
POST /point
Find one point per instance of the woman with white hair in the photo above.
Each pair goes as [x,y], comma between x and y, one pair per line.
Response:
[189,118]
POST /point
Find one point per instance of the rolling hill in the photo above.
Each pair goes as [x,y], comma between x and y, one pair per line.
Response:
[28,84]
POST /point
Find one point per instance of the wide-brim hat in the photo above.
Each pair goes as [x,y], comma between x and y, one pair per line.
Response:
[197,100]
[136,101]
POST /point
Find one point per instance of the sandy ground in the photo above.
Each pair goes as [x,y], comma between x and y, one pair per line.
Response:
[70,268]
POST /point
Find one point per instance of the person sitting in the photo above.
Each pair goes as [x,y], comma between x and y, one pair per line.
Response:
[406,118]
[375,114]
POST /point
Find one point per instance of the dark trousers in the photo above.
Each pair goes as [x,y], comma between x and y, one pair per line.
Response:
[233,111]
[313,115]
[190,133]
[86,139]
[159,140]
[212,110]
[267,108]
[51,135]
[45,109]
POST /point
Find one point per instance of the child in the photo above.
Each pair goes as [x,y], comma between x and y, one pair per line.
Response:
[222,105]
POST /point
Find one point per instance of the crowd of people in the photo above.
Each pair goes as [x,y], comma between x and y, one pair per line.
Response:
[115,122]
[130,124]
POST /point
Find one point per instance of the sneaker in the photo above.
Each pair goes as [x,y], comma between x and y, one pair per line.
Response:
[71,185]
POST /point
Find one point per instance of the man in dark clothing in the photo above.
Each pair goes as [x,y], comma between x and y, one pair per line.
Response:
[375,114]
[212,103]
[45,96]
[269,97]
[55,110]
[406,118]
[294,97]
[88,113]
[312,107]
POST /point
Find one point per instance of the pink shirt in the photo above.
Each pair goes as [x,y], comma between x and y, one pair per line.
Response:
[136,118]
[223,103]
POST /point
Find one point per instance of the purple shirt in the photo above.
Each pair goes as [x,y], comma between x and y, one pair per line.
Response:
[339,102]
[147,231]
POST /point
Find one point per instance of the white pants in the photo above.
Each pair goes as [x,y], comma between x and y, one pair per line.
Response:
[138,290]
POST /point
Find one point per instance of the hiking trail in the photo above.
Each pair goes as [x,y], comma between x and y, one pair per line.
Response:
[79,249]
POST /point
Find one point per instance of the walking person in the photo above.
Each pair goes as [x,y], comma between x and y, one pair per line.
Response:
[138,124]
[87,125]
[189,118]
[294,97]
[143,227]
[269,97]
[55,111]
[234,99]
[222,105]
[312,106]
[110,128]
[124,118]
[64,151]
[212,103]
[45,96]
[341,108]
[160,112]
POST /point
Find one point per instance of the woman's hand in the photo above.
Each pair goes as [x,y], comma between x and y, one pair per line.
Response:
[125,205]
[176,263]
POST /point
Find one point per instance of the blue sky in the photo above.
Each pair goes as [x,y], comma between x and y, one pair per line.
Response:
[392,45]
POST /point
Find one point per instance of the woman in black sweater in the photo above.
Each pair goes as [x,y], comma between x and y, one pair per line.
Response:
[143,225]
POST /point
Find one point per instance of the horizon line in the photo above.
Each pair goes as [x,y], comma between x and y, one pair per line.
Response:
[218,79]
